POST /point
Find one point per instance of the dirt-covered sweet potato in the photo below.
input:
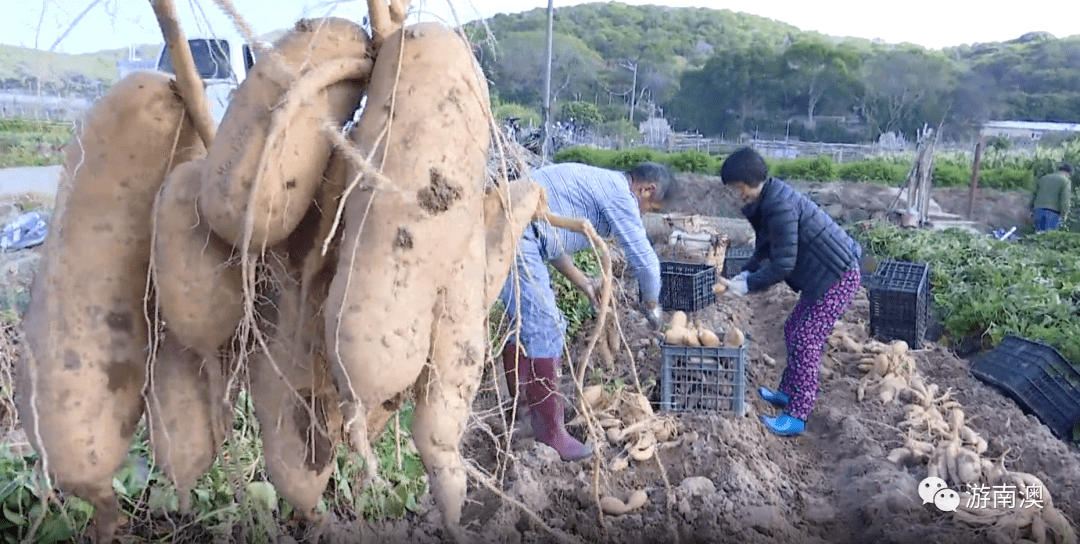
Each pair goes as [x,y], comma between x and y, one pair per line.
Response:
[82,372]
[408,301]
[271,139]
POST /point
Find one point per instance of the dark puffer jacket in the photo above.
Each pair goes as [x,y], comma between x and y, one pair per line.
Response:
[796,242]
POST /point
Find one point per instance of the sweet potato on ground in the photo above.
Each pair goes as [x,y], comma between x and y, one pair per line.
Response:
[298,152]
[80,381]
[407,303]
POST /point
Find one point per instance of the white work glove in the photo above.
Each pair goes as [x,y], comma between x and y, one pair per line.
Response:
[742,275]
[737,286]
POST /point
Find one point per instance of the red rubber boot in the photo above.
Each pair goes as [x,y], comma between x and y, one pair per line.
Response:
[547,412]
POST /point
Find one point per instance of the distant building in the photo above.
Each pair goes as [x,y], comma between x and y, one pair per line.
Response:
[1025,130]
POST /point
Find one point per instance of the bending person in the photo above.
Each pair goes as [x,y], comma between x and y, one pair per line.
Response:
[613,203]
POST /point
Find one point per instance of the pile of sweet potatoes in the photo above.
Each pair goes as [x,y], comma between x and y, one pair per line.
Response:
[336,271]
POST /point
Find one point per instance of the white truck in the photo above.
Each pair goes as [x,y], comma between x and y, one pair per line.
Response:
[223,63]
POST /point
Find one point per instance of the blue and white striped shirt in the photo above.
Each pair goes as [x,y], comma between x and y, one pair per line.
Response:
[603,198]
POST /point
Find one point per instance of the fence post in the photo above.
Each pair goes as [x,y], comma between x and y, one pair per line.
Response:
[975,178]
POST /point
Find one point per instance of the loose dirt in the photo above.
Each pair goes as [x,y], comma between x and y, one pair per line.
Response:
[731,481]
[728,480]
[855,201]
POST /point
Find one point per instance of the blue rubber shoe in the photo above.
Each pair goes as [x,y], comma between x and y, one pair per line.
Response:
[778,399]
[784,425]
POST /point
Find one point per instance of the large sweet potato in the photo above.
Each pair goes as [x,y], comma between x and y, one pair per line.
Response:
[179,413]
[193,272]
[295,399]
[83,368]
[407,302]
[508,210]
[199,291]
[296,150]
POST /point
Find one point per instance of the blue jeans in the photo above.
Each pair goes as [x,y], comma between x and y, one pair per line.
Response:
[1046,219]
[542,324]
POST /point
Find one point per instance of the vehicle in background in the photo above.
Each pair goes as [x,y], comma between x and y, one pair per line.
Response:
[223,63]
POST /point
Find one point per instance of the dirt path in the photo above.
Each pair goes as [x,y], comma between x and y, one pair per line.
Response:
[29,179]
[852,201]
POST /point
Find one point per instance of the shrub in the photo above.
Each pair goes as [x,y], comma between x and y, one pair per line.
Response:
[625,160]
[584,155]
[872,170]
[1009,177]
[698,162]
[816,169]
[526,115]
[584,114]
[949,174]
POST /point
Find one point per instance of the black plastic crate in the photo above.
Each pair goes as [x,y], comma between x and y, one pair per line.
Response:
[700,379]
[686,286]
[900,302]
[1038,378]
[734,260]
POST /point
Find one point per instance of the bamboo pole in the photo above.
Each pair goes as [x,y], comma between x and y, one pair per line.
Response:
[191,87]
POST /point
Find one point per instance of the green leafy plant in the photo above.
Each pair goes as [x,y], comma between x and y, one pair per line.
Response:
[402,479]
[692,161]
[872,170]
[573,303]
[60,520]
[815,169]
[988,288]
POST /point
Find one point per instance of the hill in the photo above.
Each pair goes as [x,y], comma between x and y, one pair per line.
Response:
[86,73]
[719,72]
[716,72]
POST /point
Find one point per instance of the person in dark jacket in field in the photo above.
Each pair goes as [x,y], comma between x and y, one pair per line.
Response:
[1050,200]
[799,243]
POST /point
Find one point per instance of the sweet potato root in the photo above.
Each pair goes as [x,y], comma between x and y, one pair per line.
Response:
[295,400]
[192,269]
[508,209]
[178,408]
[192,274]
[81,378]
[408,303]
[281,157]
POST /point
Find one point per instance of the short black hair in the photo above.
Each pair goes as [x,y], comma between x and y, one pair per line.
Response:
[657,174]
[1065,167]
[744,166]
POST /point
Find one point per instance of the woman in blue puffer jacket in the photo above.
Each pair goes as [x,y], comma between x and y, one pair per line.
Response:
[800,244]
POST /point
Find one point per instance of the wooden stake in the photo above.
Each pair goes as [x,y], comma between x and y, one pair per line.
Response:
[975,178]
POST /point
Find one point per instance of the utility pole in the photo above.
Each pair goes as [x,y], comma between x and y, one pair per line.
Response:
[632,66]
[545,143]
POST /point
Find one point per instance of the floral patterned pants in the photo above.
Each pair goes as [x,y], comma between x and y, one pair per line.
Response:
[806,331]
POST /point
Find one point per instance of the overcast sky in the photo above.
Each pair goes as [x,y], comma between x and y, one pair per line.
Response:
[932,23]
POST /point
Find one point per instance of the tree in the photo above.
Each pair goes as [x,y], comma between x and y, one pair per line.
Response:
[584,114]
[816,67]
[906,87]
[517,64]
[732,86]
